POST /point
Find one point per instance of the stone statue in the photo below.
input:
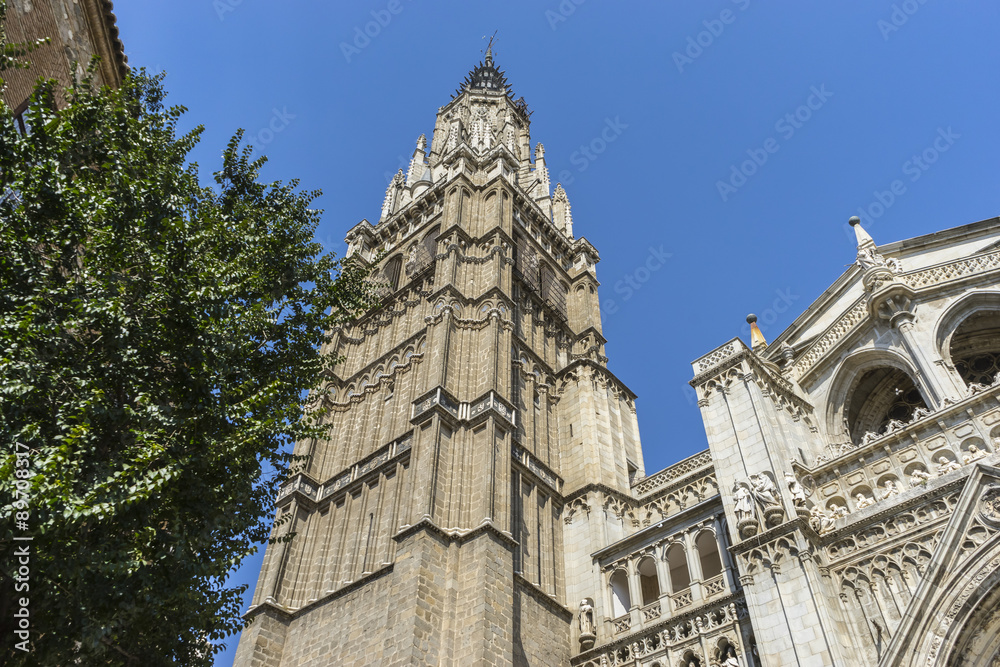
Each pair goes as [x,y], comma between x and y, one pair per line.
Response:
[946,465]
[838,511]
[587,627]
[744,506]
[893,425]
[974,454]
[820,522]
[919,477]
[798,493]
[731,659]
[764,490]
[869,259]
[863,502]
[890,489]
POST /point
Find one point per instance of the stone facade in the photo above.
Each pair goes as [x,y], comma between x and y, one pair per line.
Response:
[483,500]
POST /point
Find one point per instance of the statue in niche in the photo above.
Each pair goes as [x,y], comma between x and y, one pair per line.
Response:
[744,505]
[919,477]
[587,626]
[946,465]
[974,454]
[838,511]
[890,489]
[820,522]
[730,659]
[862,501]
[798,493]
[764,491]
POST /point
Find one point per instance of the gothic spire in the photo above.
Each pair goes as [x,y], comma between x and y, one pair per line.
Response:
[486,76]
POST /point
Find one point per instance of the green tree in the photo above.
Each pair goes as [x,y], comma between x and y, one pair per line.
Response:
[156,340]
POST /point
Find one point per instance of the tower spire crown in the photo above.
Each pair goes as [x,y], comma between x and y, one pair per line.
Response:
[486,76]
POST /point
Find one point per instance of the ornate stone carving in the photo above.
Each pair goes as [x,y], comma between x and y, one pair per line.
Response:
[889,489]
[946,465]
[919,477]
[820,522]
[974,454]
[989,506]
[746,520]
[862,501]
[798,493]
[766,495]
[588,629]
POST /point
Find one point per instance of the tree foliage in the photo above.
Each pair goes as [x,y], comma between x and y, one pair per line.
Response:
[156,339]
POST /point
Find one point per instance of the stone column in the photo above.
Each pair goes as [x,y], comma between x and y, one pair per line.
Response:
[694,567]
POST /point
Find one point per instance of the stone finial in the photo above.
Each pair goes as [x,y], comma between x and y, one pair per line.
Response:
[562,214]
[541,187]
[864,238]
[757,340]
[391,200]
[417,162]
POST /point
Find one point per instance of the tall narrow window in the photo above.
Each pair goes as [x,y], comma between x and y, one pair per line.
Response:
[621,601]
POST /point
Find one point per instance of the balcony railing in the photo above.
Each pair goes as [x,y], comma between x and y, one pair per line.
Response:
[651,612]
[622,624]
[682,599]
[714,586]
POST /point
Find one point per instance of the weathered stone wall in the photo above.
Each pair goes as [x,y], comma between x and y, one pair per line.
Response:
[541,629]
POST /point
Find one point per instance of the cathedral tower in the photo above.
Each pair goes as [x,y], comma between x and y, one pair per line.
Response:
[472,408]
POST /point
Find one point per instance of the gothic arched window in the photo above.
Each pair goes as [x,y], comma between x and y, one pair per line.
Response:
[882,395]
[975,347]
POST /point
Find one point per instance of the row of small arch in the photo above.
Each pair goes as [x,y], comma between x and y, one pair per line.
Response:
[381,371]
[867,491]
[675,555]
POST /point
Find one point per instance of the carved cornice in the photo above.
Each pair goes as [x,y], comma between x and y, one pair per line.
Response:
[598,370]
[850,453]
[285,615]
[310,494]
[675,475]
[541,596]
[427,525]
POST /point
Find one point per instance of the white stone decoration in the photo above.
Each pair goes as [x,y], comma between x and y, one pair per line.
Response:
[889,490]
[863,501]
[974,454]
[946,465]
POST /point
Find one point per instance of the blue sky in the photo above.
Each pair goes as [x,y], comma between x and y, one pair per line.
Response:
[737,137]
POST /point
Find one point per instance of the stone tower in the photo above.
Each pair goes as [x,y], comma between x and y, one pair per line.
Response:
[469,410]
